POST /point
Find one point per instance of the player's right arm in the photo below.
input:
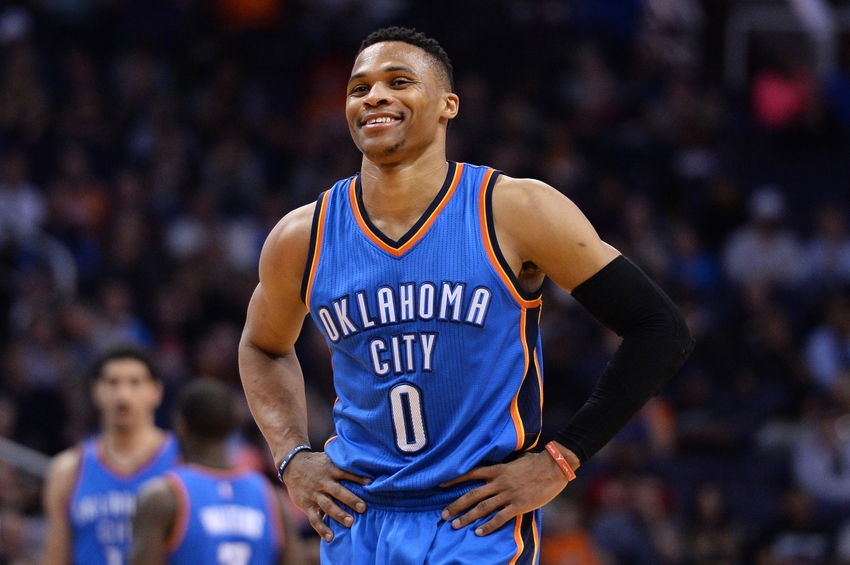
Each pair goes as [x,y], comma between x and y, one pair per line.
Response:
[61,478]
[272,379]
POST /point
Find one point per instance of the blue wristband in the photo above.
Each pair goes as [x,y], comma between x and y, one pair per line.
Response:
[288,458]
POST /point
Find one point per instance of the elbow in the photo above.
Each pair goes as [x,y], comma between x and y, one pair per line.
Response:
[684,341]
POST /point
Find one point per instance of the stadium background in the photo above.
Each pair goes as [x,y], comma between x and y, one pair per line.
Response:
[148,146]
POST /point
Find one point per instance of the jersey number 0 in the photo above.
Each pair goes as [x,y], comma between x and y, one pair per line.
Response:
[408,418]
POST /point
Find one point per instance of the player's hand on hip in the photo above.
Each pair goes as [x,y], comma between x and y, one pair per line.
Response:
[313,482]
[510,490]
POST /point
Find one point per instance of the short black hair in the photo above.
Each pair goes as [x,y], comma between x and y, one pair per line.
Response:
[417,39]
[207,409]
[122,351]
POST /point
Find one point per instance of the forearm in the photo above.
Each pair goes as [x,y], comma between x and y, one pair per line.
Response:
[274,387]
[656,342]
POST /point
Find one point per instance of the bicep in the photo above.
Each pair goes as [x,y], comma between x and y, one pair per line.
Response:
[276,311]
[274,319]
[538,224]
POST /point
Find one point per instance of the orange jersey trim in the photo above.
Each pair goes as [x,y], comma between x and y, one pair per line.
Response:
[540,383]
[529,358]
[423,229]
[330,439]
[320,233]
[518,539]
[490,247]
[536,538]
[515,415]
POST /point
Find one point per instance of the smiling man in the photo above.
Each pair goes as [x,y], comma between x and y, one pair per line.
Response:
[426,275]
[90,493]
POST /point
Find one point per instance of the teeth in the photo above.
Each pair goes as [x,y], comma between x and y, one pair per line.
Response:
[380,120]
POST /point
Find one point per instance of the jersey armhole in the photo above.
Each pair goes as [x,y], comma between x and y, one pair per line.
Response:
[316,233]
[491,244]
[78,480]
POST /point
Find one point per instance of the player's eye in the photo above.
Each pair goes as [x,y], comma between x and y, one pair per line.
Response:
[359,89]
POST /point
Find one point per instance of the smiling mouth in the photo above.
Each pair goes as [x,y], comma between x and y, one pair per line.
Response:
[380,121]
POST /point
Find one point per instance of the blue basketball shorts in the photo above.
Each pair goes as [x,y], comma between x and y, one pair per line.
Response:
[381,536]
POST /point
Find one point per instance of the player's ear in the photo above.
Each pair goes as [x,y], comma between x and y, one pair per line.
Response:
[451,105]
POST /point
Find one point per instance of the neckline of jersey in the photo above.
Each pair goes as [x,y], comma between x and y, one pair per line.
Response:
[99,451]
[419,228]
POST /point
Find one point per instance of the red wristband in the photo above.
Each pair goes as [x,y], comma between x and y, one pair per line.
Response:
[559,459]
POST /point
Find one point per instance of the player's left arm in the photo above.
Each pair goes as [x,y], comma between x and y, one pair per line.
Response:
[153,523]
[540,231]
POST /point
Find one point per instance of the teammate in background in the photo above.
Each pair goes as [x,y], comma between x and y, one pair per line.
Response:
[205,511]
[425,276]
[91,489]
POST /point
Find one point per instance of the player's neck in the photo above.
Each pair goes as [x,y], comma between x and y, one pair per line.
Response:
[213,456]
[128,447]
[396,195]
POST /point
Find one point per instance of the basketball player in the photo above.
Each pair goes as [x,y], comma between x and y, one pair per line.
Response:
[205,511]
[425,276]
[91,489]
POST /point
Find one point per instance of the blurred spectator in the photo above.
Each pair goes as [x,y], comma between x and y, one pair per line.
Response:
[783,94]
[18,544]
[694,270]
[646,243]
[672,30]
[764,250]
[633,520]
[837,88]
[796,537]
[713,539]
[821,459]
[22,206]
[827,346]
[828,249]
[240,15]
[24,100]
[565,538]
[79,207]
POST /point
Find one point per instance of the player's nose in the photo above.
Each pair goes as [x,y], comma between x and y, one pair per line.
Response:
[378,94]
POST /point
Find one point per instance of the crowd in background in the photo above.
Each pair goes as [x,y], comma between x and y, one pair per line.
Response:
[147,147]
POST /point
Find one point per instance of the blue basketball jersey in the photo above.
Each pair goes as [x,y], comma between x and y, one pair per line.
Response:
[102,503]
[435,347]
[224,517]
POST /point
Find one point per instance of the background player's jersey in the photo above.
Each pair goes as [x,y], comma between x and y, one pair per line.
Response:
[103,500]
[224,518]
[436,351]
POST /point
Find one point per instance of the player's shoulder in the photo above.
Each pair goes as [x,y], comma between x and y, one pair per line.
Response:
[157,499]
[294,225]
[524,194]
[66,462]
[63,471]
[289,240]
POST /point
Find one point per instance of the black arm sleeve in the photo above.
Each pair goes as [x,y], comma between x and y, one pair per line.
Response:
[656,342]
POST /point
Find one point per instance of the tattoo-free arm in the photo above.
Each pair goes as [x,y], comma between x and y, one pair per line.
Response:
[272,379]
[153,523]
[57,491]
